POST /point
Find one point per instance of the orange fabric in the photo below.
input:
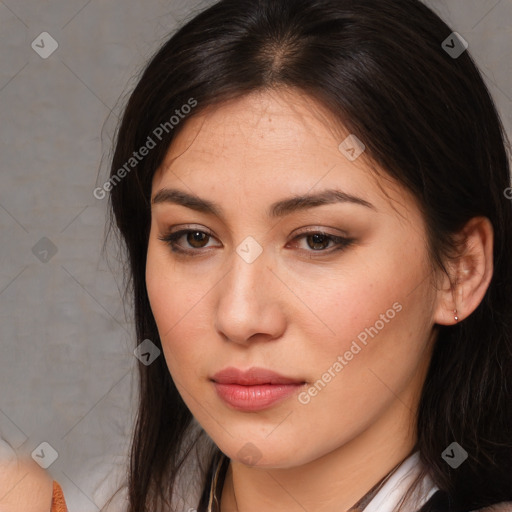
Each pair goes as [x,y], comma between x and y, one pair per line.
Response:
[58,501]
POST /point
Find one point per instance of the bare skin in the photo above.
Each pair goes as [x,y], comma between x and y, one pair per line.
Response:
[299,305]
[24,486]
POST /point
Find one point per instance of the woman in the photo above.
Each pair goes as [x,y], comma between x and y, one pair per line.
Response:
[311,195]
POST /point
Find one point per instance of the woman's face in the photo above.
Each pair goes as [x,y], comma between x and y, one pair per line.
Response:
[334,295]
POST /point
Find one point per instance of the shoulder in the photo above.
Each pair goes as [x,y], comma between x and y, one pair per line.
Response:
[24,486]
[441,502]
[499,507]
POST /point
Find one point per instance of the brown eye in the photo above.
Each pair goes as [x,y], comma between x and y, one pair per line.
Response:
[319,241]
[187,241]
[197,239]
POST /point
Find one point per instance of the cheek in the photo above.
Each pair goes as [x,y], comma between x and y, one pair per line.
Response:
[178,303]
[344,306]
[171,292]
[372,317]
[356,374]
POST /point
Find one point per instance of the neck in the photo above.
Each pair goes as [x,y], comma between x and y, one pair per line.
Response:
[331,483]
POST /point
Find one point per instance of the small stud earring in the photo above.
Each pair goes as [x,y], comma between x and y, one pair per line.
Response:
[456,317]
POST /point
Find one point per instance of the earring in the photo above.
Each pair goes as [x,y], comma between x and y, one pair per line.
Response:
[456,317]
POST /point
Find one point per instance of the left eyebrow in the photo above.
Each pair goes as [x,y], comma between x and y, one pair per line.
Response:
[277,209]
[303,202]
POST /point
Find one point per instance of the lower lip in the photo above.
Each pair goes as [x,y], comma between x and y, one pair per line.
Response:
[254,398]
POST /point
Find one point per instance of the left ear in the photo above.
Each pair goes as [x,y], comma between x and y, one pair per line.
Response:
[470,273]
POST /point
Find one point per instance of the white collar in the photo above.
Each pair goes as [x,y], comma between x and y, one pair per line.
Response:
[397,485]
[390,494]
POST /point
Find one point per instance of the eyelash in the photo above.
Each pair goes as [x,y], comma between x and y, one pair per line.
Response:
[170,239]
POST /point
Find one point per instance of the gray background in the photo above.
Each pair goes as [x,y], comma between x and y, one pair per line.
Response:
[67,366]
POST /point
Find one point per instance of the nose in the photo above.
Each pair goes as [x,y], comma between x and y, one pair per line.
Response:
[248,307]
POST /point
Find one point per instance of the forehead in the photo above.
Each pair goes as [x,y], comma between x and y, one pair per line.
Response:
[279,126]
[278,141]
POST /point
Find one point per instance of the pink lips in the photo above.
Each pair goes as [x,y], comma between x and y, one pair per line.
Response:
[254,389]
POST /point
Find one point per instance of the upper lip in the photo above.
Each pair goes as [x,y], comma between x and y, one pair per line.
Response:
[252,377]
